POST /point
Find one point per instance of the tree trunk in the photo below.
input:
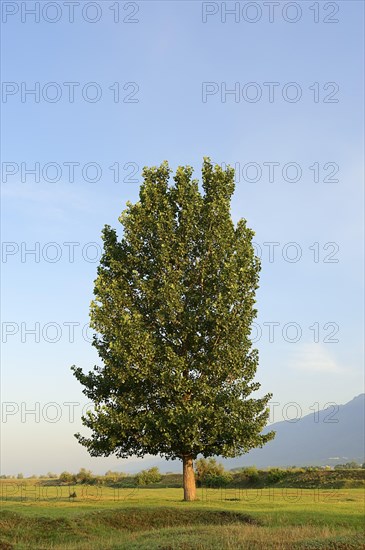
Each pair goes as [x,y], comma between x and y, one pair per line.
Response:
[189,479]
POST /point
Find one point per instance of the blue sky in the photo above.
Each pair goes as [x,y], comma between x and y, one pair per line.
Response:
[162,61]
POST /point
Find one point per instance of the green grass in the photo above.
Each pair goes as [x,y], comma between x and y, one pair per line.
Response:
[108,519]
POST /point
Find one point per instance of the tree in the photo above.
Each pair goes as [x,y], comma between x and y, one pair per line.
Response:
[110,475]
[67,477]
[211,473]
[210,466]
[174,303]
[84,476]
[147,477]
[347,466]
[251,473]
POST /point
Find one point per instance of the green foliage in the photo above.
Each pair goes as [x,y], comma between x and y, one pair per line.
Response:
[20,476]
[352,483]
[114,476]
[348,466]
[211,473]
[147,477]
[251,473]
[84,476]
[204,466]
[218,480]
[276,474]
[173,309]
[67,477]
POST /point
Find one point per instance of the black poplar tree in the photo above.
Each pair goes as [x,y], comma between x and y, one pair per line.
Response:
[174,303]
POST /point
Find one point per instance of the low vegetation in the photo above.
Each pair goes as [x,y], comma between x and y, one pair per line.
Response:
[294,508]
[210,473]
[43,517]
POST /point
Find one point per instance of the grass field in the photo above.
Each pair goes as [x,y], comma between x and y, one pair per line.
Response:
[102,518]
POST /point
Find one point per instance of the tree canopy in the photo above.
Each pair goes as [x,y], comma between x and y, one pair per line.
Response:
[173,308]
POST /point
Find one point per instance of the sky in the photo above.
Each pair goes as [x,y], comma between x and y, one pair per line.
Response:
[272,88]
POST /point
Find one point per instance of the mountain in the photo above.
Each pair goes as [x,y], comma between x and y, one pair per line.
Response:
[333,436]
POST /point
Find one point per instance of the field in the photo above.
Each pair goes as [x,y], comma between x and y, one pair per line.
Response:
[36,516]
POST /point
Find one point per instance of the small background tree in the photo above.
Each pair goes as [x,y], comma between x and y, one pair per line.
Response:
[348,466]
[147,477]
[250,473]
[174,303]
[67,477]
[114,477]
[84,476]
[211,473]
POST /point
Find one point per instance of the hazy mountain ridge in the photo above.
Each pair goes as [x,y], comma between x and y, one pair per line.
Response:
[331,436]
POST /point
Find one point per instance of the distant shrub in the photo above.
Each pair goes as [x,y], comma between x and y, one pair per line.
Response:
[114,476]
[211,473]
[276,474]
[84,476]
[218,480]
[67,477]
[347,466]
[147,477]
[353,483]
[20,476]
[251,474]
